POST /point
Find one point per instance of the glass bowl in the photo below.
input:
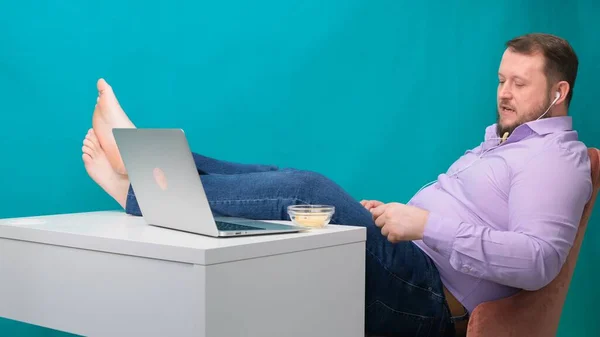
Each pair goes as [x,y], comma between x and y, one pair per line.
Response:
[314,216]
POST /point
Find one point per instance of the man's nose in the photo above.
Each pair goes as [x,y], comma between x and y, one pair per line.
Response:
[505,93]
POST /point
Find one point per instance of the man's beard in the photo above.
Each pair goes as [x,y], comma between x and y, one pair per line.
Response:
[525,118]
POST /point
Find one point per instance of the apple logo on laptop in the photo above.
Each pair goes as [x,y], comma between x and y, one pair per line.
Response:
[160,178]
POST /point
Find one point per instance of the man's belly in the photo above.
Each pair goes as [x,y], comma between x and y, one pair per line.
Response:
[467,289]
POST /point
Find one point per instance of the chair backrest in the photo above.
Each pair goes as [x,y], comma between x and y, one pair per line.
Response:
[564,277]
[551,298]
[536,313]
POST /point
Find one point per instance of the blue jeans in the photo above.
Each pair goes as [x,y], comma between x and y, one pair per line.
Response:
[404,293]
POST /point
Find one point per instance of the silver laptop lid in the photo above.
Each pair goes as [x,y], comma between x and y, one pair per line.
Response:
[165,180]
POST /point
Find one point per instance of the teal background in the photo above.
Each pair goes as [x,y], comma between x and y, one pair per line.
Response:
[386,93]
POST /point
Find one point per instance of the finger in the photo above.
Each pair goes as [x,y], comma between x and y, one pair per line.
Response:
[377,211]
[380,221]
[393,238]
[363,202]
[385,231]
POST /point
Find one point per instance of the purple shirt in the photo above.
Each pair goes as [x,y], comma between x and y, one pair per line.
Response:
[508,221]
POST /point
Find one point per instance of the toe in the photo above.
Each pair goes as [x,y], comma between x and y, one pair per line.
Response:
[87,151]
[87,159]
[88,148]
[93,138]
[88,143]
[106,96]
[102,86]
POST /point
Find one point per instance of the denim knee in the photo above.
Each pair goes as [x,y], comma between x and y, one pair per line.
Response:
[311,186]
[315,188]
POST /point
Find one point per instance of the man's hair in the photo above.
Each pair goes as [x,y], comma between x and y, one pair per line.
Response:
[560,59]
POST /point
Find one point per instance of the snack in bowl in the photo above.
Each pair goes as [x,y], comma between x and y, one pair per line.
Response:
[314,216]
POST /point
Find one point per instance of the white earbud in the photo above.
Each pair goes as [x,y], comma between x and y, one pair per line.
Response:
[557,95]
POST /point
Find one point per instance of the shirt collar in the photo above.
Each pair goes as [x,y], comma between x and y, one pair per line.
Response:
[540,127]
[545,126]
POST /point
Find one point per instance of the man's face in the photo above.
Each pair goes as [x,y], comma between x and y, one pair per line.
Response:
[522,90]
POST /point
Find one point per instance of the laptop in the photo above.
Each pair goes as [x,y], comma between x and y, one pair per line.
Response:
[169,190]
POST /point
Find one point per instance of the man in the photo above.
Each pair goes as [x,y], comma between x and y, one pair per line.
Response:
[502,218]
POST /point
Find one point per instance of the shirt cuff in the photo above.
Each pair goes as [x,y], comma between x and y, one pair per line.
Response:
[440,233]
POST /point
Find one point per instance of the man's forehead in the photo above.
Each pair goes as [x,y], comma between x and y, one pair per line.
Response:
[520,63]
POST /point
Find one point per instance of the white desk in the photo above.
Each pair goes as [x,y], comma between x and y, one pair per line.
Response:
[110,274]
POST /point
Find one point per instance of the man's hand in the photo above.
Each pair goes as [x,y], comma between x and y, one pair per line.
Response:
[399,222]
[369,204]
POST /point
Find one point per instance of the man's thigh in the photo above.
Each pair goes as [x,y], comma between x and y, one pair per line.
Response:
[266,195]
[404,293]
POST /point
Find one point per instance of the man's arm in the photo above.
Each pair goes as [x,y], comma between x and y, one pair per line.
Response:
[545,203]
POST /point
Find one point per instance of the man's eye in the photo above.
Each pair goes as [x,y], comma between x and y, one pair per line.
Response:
[519,84]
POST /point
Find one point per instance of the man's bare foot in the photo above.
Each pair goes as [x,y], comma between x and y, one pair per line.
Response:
[108,115]
[100,170]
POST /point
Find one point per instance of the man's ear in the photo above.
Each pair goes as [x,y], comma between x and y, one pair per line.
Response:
[563,88]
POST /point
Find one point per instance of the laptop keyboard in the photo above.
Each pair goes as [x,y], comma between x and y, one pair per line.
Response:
[228,226]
